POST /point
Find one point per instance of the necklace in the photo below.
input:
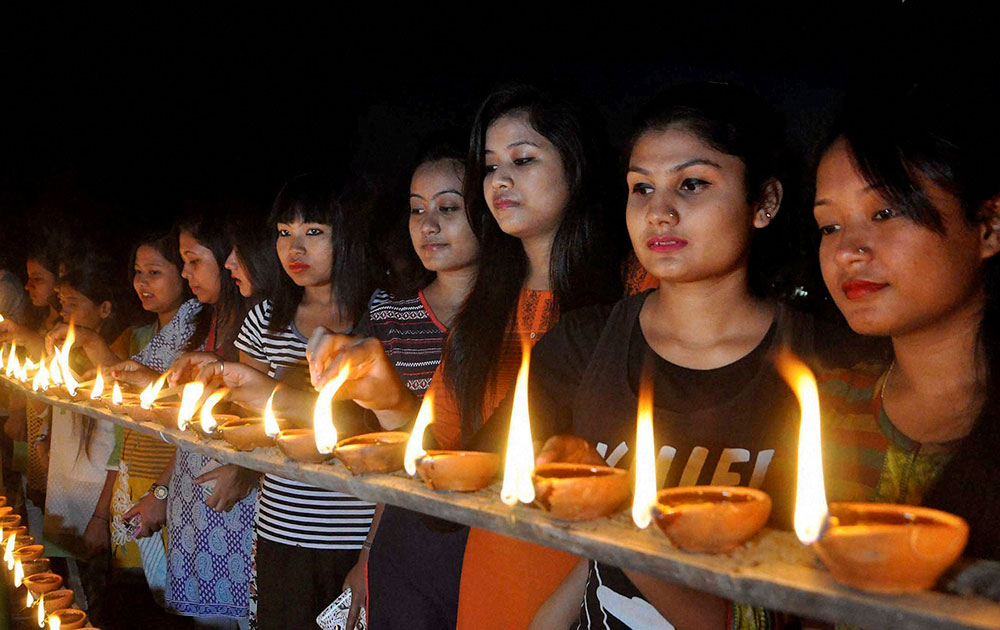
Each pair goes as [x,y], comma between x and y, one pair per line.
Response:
[885,384]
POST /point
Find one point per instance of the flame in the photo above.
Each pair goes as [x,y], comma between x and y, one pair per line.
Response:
[208,422]
[8,555]
[41,610]
[67,373]
[12,364]
[325,431]
[810,493]
[41,380]
[30,600]
[519,461]
[415,446]
[98,385]
[644,495]
[28,365]
[54,371]
[18,574]
[1,355]
[54,622]
[116,394]
[190,396]
[271,427]
[148,395]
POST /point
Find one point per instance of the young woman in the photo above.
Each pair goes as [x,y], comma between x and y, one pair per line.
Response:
[704,183]
[252,262]
[908,207]
[412,327]
[320,243]
[538,198]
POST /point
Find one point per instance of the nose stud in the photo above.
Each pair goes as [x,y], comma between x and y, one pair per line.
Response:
[862,250]
[672,215]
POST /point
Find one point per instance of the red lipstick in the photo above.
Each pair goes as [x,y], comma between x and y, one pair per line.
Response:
[297,267]
[501,203]
[666,243]
[857,289]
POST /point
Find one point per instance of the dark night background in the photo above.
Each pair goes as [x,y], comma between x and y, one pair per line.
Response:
[113,130]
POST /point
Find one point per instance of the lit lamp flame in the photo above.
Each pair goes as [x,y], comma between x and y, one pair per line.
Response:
[67,373]
[271,427]
[28,365]
[644,495]
[41,610]
[810,492]
[116,394]
[41,380]
[12,365]
[54,372]
[18,574]
[29,601]
[8,555]
[208,423]
[323,427]
[54,623]
[2,350]
[190,396]
[519,461]
[415,446]
[148,395]
[98,385]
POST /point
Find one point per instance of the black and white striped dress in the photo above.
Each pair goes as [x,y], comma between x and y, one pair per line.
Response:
[291,512]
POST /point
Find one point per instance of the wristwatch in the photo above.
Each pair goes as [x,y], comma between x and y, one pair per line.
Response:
[160,492]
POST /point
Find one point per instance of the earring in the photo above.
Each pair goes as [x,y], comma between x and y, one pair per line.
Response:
[767,214]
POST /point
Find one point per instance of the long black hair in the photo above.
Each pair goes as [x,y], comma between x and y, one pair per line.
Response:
[344,203]
[587,250]
[209,228]
[896,142]
[165,243]
[252,240]
[734,120]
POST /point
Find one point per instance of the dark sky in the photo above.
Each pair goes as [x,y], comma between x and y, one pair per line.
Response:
[122,125]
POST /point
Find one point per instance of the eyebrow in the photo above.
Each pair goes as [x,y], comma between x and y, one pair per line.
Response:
[680,167]
[437,194]
[517,144]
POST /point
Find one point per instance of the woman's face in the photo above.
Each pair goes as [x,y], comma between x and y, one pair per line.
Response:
[887,274]
[306,252]
[439,227]
[525,186]
[79,309]
[157,281]
[41,286]
[239,274]
[687,211]
[200,269]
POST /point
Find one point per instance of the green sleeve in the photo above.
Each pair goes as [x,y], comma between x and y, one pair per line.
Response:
[116,452]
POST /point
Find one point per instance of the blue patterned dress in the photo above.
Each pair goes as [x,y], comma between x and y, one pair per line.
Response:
[208,557]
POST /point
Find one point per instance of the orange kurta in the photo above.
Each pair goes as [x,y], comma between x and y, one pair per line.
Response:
[504,580]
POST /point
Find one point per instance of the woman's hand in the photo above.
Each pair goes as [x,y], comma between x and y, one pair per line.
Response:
[133,373]
[25,337]
[246,385]
[96,538]
[232,483]
[153,513]
[372,381]
[357,582]
[568,449]
[185,367]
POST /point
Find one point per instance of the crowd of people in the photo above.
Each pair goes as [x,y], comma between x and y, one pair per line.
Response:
[691,282]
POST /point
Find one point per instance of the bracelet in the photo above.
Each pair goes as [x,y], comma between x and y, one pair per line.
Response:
[367,545]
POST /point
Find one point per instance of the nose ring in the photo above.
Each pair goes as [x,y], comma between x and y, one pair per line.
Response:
[672,214]
[862,250]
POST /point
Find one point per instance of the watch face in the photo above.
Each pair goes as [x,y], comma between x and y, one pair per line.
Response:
[160,492]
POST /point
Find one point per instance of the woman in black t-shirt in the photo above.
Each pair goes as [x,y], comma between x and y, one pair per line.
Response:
[704,190]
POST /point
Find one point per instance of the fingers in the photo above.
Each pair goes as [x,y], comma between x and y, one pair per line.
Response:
[352,615]
[323,350]
[360,354]
[209,476]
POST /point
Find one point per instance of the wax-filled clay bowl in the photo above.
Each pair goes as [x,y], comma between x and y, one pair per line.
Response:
[220,419]
[128,400]
[136,412]
[38,565]
[5,510]
[464,471]
[44,582]
[3,501]
[711,519]
[69,618]
[890,548]
[9,531]
[10,521]
[246,434]
[58,599]
[29,551]
[578,492]
[23,540]
[300,445]
[373,452]
[166,413]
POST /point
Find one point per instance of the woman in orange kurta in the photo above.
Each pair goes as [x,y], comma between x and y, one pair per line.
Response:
[540,197]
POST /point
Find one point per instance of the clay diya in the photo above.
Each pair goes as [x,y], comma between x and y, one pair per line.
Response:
[246,434]
[38,565]
[69,618]
[711,519]
[373,452]
[3,501]
[5,510]
[9,522]
[464,471]
[890,548]
[20,530]
[578,492]
[214,434]
[300,445]
[29,552]
[23,540]
[39,583]
[129,400]
[165,413]
[58,599]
